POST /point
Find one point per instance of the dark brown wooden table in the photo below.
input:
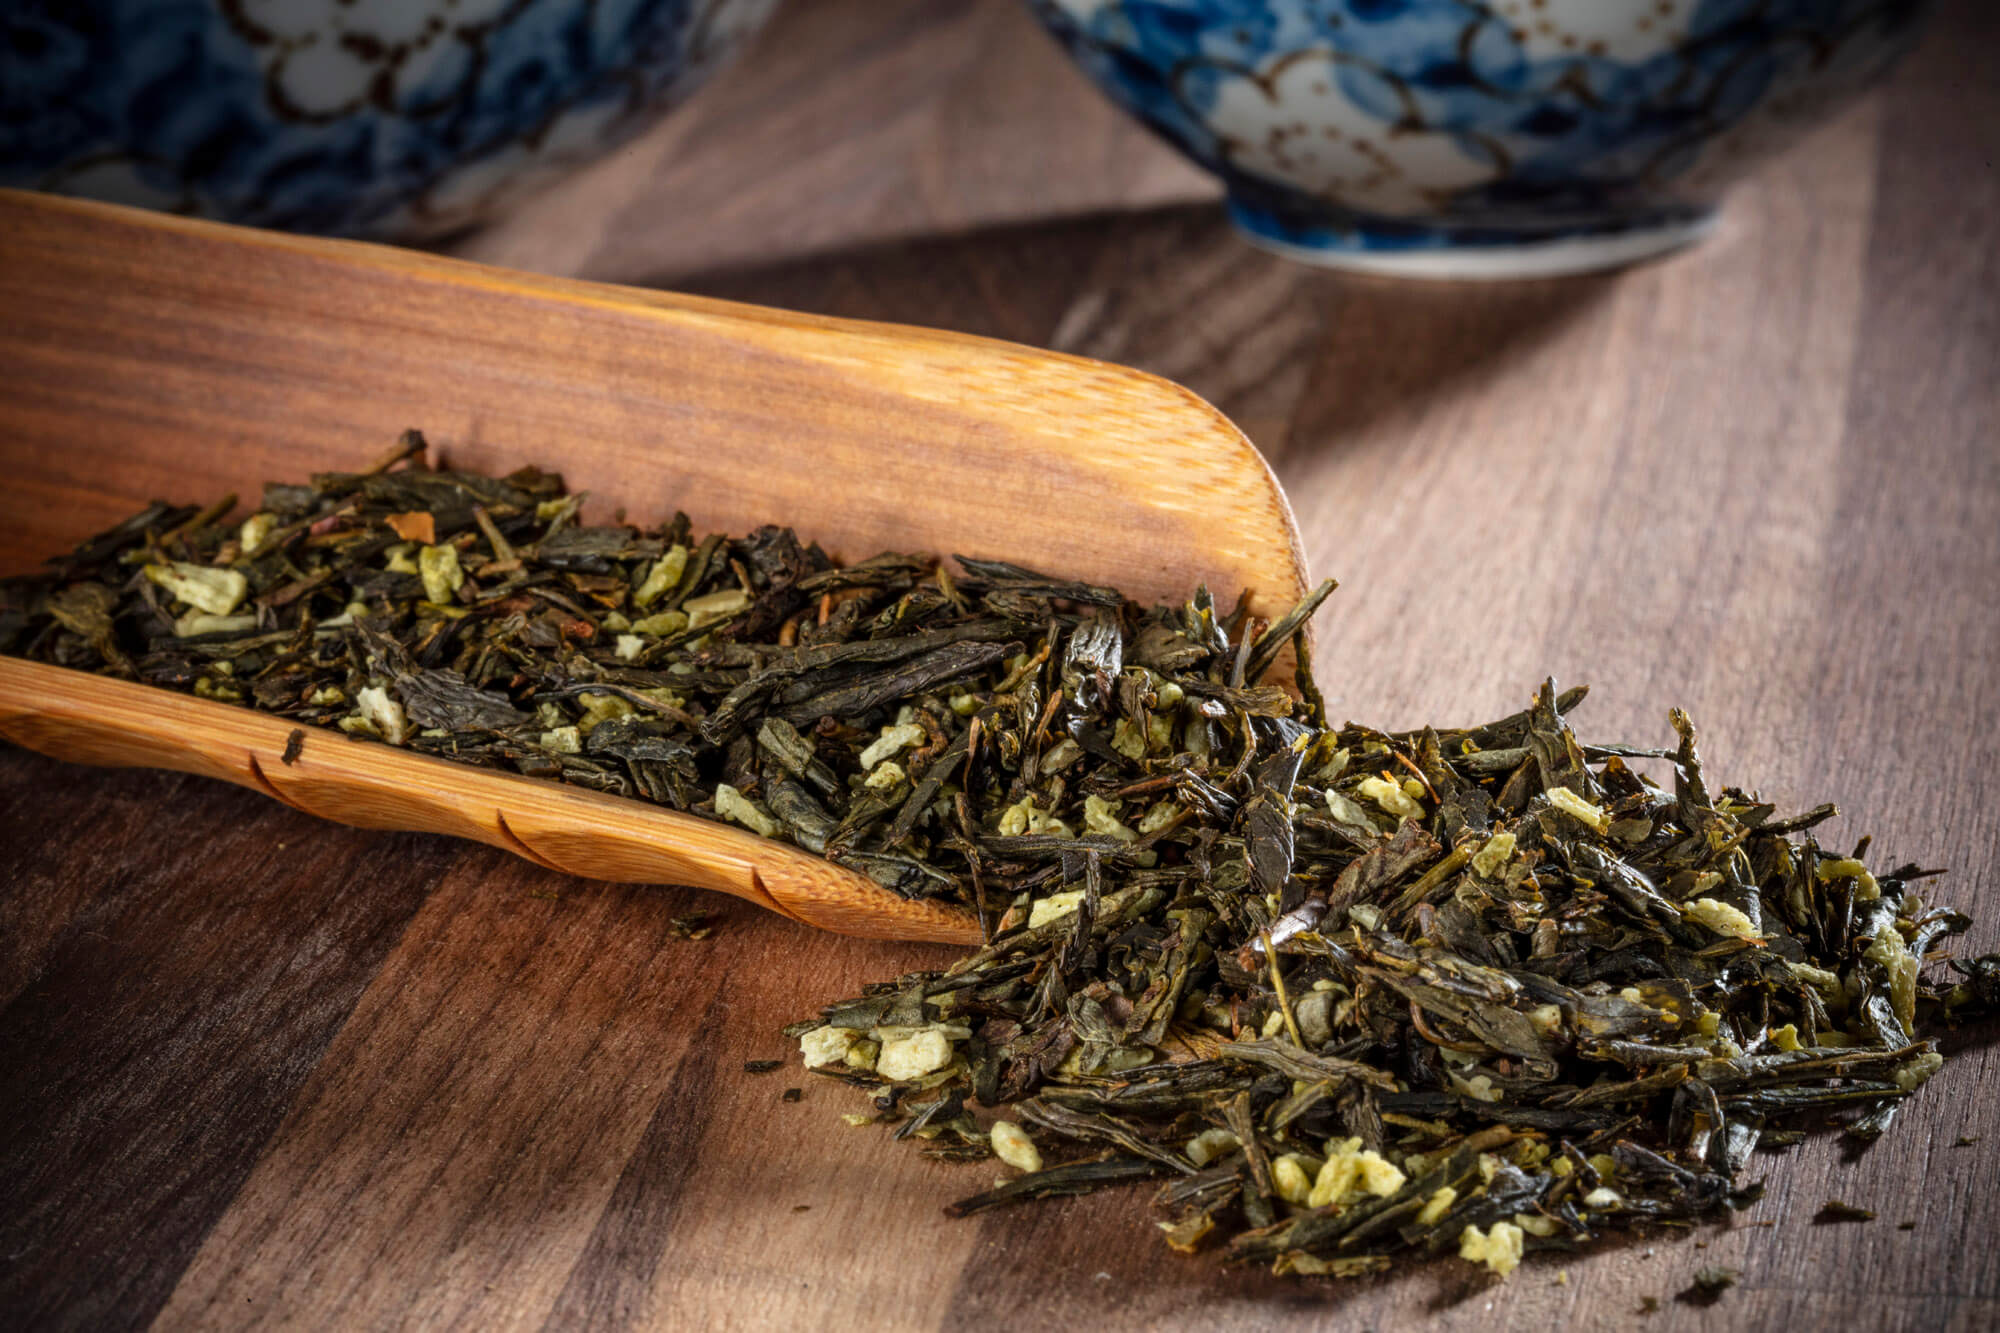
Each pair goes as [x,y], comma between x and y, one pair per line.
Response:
[257,1070]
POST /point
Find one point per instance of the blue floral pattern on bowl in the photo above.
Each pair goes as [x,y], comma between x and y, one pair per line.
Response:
[399,118]
[1462,138]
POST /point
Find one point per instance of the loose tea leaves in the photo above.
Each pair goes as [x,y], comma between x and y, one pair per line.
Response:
[693,926]
[950,735]
[1472,992]
[1709,1284]
[1344,996]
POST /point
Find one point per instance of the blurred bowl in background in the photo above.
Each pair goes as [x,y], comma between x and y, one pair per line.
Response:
[398,119]
[1456,139]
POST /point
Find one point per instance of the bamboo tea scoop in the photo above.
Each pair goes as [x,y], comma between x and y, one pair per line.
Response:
[145,356]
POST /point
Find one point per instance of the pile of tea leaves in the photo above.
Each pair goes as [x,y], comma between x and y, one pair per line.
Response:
[1376,996]
[1349,996]
[889,715]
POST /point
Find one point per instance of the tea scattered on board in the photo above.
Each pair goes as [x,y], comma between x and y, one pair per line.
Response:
[1380,996]
[1344,997]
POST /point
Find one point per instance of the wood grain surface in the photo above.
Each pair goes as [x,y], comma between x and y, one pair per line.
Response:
[258,1070]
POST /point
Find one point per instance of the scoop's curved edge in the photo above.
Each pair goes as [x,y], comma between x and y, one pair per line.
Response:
[95,719]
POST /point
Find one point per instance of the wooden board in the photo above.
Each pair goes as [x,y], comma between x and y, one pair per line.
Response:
[260,1070]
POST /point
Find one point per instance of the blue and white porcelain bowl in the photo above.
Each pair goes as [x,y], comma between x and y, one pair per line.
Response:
[391,118]
[1455,138]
